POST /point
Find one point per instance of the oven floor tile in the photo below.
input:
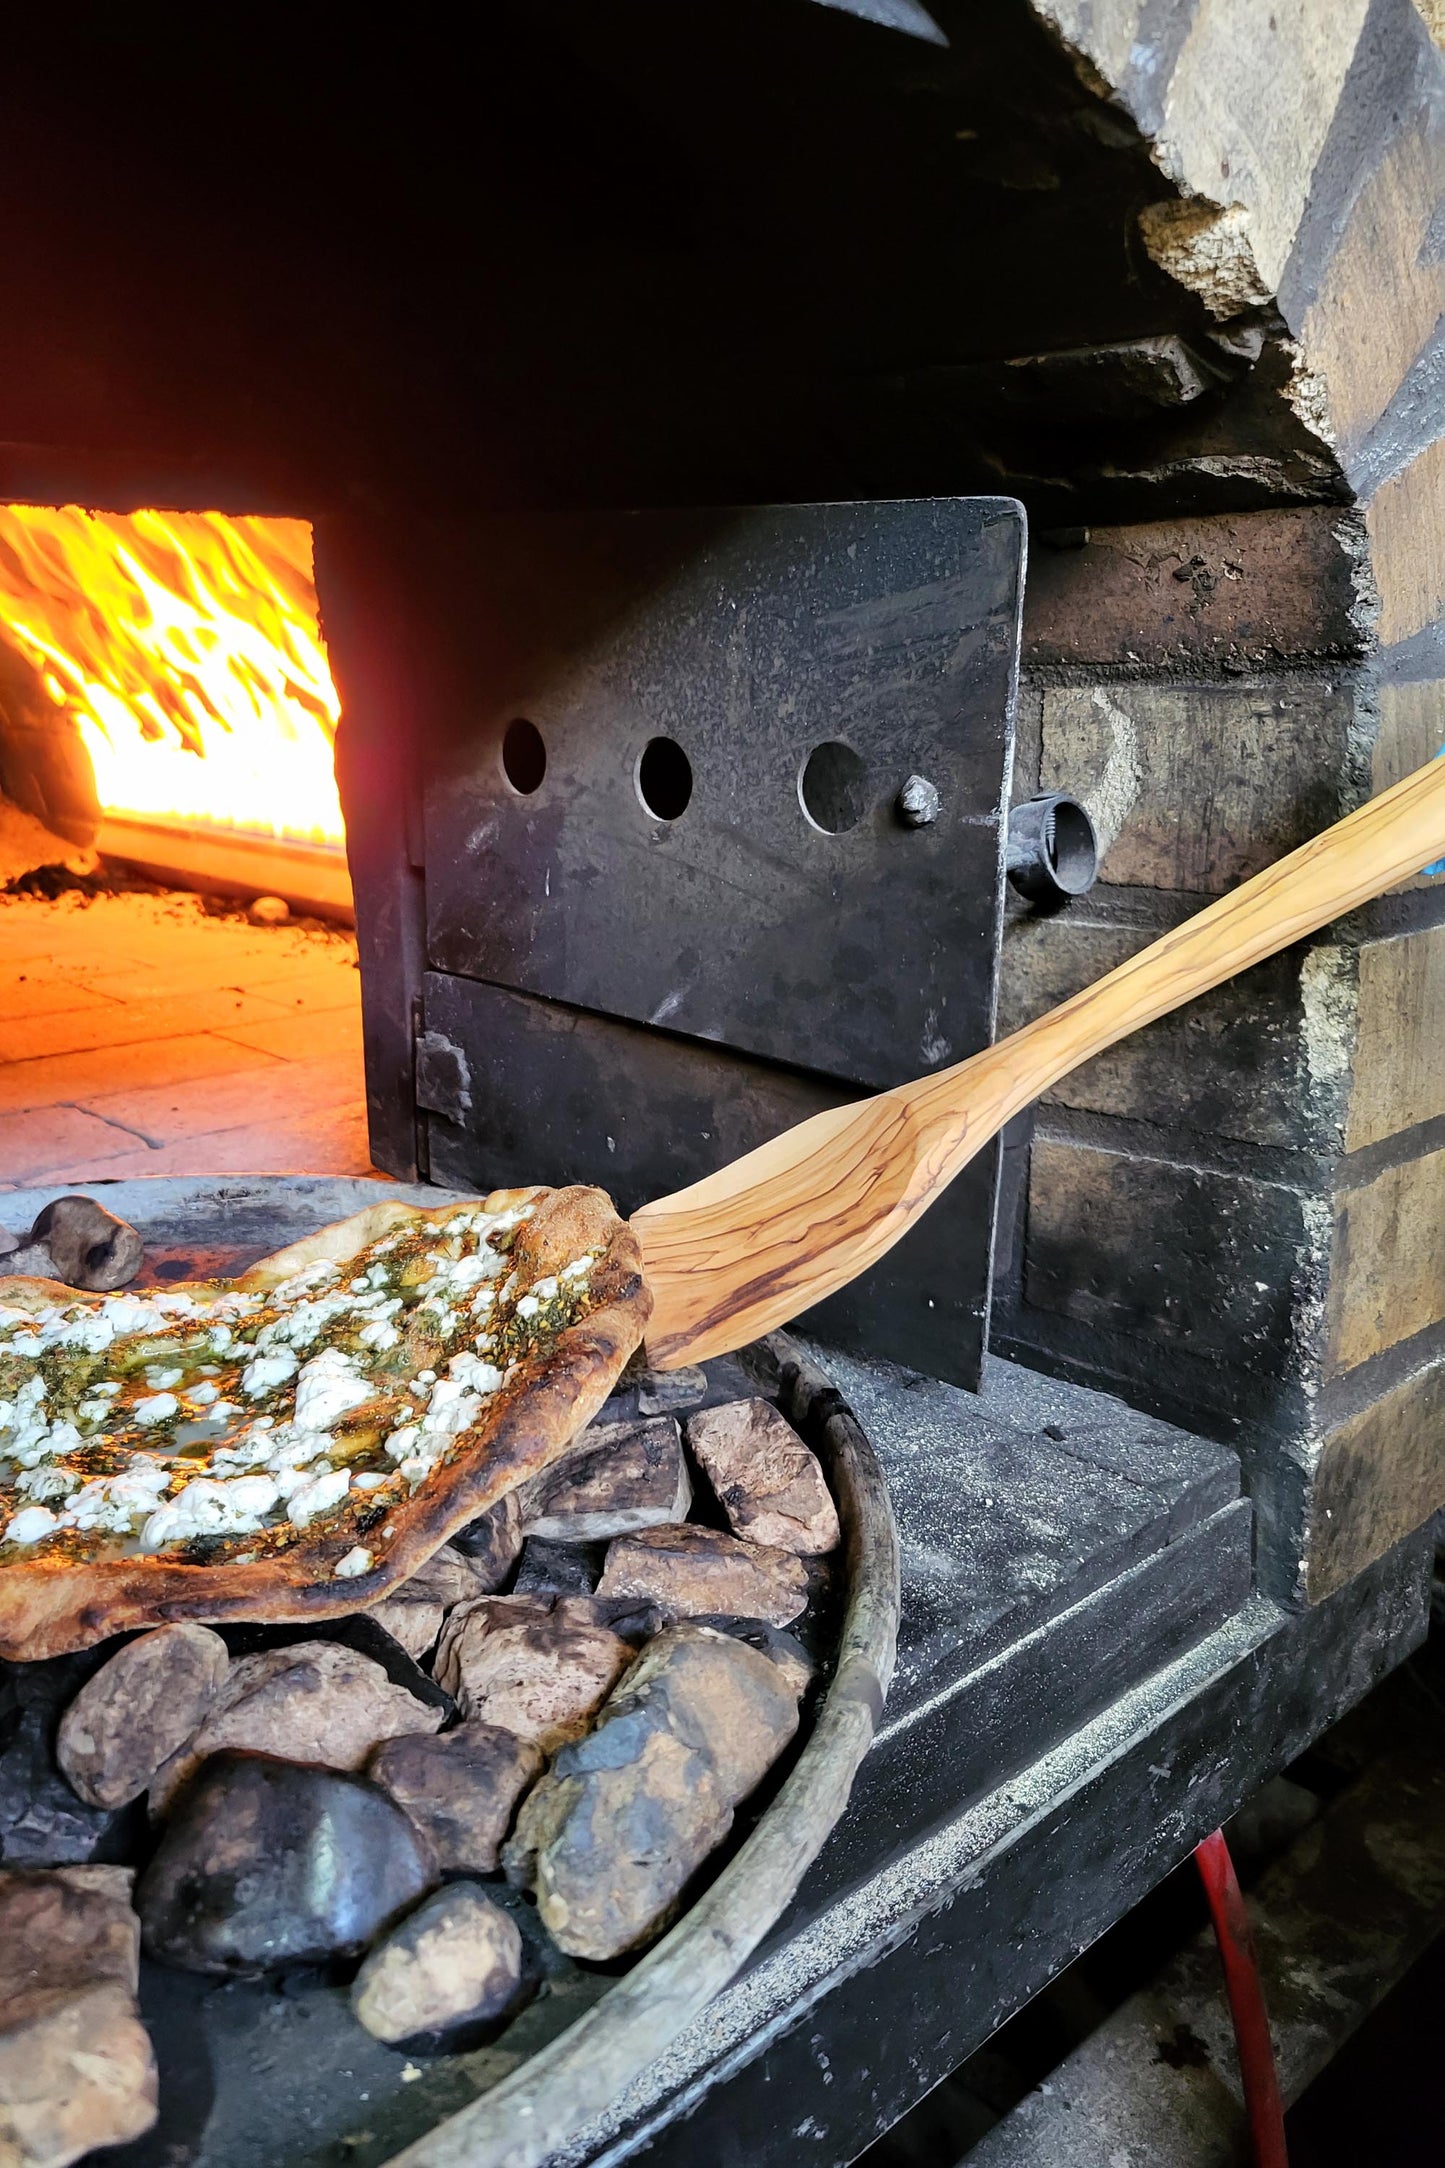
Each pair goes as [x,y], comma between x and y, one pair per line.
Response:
[141,1036]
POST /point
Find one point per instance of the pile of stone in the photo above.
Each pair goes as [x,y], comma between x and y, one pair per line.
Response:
[544,1733]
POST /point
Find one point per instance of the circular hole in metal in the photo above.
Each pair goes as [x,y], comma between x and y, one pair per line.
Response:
[664,779]
[833,787]
[1073,849]
[524,756]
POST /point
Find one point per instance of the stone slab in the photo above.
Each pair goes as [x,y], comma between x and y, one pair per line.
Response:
[1264,1058]
[1016,1502]
[115,1053]
[1387,1277]
[1380,1473]
[1379,296]
[1172,1254]
[1406,520]
[1399,1078]
[1197,787]
[1186,593]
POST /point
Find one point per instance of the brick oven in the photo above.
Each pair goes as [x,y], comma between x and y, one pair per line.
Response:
[866,265]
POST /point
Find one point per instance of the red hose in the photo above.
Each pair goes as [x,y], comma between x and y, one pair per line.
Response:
[1246,2002]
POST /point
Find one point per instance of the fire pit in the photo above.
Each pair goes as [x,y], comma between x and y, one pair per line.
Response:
[577,2034]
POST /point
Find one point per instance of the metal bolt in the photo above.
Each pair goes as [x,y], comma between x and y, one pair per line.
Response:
[918,802]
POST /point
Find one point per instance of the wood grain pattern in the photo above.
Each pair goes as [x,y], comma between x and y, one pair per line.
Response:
[749,1247]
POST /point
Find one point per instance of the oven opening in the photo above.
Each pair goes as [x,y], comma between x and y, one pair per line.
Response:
[165,697]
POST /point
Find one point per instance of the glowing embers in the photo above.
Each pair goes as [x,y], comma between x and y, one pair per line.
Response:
[185,648]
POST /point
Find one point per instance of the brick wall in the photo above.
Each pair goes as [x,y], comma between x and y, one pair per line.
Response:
[1235,1217]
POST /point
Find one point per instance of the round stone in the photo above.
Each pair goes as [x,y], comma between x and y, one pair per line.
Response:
[269,1863]
[455,1963]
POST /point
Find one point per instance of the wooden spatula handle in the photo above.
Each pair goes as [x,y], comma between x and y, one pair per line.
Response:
[764,1238]
[1385,842]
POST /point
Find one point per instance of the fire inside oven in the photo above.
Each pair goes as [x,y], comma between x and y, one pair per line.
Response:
[165,696]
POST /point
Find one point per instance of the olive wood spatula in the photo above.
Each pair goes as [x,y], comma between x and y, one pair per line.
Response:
[747,1248]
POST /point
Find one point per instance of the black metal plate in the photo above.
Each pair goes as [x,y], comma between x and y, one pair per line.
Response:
[520,1090]
[748,638]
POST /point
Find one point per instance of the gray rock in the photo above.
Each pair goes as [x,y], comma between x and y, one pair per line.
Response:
[312,1701]
[76,2067]
[139,1709]
[689,1571]
[768,1483]
[413,1613]
[659,1391]
[783,1649]
[412,1621]
[509,1661]
[460,1789]
[43,1823]
[612,1834]
[90,1246]
[615,1477]
[455,1963]
[268,1863]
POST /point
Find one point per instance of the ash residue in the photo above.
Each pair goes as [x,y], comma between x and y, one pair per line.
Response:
[1013,1501]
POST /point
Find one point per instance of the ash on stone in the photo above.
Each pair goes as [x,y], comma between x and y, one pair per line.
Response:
[611,1836]
[634,1619]
[666,1388]
[768,1483]
[313,1701]
[270,1863]
[660,1391]
[76,2065]
[453,1973]
[614,1478]
[459,1789]
[690,1572]
[558,1569]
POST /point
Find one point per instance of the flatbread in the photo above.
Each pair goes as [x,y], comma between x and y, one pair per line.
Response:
[527,1330]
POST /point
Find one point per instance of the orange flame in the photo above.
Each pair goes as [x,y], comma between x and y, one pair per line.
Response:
[186,647]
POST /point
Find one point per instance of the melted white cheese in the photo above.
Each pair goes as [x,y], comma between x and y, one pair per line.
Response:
[317,1496]
[328,1387]
[118,1503]
[264,1373]
[158,1408]
[208,1508]
[46,1483]
[30,1525]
